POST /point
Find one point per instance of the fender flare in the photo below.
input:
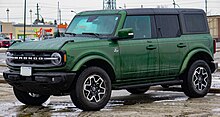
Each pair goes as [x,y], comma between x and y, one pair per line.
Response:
[83,60]
[189,56]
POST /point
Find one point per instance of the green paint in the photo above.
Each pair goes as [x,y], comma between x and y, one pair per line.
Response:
[140,60]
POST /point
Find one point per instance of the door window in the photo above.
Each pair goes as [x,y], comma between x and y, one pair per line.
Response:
[167,26]
[195,23]
[141,26]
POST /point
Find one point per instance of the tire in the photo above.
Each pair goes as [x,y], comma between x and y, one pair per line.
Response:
[197,81]
[30,98]
[92,90]
[138,90]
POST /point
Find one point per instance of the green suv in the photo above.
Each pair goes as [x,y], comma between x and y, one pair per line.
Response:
[107,50]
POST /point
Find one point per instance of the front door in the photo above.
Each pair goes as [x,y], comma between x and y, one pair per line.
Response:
[139,56]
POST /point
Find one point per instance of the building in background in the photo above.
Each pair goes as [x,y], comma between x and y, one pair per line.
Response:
[33,31]
[62,28]
[7,29]
[214,26]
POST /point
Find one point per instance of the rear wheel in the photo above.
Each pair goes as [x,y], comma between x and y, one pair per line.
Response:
[197,81]
[138,90]
[92,89]
[30,98]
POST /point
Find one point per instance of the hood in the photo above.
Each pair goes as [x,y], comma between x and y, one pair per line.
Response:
[49,44]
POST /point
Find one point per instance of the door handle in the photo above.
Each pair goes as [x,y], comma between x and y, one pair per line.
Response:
[181,45]
[151,47]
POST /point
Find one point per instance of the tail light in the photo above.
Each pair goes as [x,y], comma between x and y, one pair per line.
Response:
[214,46]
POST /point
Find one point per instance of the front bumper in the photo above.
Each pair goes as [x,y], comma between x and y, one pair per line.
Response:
[45,83]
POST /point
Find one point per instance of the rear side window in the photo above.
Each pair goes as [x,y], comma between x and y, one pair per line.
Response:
[167,26]
[195,23]
[141,26]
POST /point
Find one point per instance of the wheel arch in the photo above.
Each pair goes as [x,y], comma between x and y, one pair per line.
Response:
[97,61]
[199,54]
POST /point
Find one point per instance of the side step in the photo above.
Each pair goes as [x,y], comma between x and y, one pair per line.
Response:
[173,82]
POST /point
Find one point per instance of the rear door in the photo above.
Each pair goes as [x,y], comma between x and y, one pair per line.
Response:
[172,47]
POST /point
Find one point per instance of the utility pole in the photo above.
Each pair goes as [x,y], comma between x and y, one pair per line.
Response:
[7,14]
[58,13]
[103,7]
[30,16]
[124,6]
[109,4]
[60,16]
[174,4]
[24,18]
[206,7]
[38,12]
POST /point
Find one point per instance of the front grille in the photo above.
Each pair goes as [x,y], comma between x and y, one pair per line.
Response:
[30,58]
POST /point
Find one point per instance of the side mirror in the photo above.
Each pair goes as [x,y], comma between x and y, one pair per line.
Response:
[126,33]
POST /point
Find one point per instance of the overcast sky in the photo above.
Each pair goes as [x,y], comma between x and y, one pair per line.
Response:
[48,8]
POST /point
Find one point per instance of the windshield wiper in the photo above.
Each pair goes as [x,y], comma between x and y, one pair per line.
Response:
[73,34]
[95,34]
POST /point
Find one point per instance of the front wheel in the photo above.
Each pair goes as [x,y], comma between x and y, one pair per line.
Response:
[92,90]
[30,98]
[197,81]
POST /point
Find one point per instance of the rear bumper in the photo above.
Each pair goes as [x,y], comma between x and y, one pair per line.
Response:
[5,45]
[45,83]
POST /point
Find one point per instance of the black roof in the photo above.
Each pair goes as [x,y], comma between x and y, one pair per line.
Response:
[140,11]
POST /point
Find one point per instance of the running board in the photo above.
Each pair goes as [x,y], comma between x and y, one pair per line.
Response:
[173,82]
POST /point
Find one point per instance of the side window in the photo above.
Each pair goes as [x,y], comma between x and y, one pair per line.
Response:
[141,26]
[195,23]
[167,26]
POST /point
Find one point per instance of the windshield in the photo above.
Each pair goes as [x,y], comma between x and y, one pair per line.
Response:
[97,24]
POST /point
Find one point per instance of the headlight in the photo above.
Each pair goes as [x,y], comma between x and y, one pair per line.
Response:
[9,56]
[56,58]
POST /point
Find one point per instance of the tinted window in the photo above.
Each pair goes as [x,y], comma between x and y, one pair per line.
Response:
[141,26]
[101,24]
[167,26]
[195,23]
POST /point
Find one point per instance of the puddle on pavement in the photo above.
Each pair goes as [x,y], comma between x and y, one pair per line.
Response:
[216,111]
[67,108]
[146,98]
